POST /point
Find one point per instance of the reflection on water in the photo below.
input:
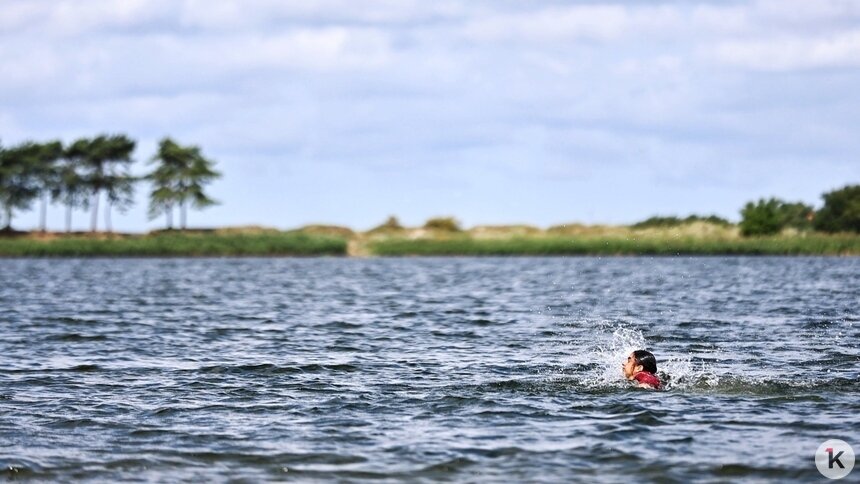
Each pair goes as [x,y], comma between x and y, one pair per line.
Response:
[449,368]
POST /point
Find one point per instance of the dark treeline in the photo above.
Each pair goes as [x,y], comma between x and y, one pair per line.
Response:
[840,213]
[82,173]
[672,221]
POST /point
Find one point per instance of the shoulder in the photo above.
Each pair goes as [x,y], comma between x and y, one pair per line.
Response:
[647,380]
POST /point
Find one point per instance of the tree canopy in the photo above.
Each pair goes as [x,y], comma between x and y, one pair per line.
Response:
[104,162]
[19,184]
[179,179]
[770,216]
[841,211]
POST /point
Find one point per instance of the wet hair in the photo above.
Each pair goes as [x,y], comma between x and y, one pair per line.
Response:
[646,359]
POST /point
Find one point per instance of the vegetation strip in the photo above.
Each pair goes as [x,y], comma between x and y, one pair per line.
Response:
[405,243]
[169,245]
[811,245]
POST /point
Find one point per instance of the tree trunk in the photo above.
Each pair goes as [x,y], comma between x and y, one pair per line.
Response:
[168,214]
[94,219]
[8,218]
[43,223]
[108,227]
[68,217]
[183,214]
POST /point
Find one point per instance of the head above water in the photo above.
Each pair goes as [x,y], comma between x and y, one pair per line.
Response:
[640,360]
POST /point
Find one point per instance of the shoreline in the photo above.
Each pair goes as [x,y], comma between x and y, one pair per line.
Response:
[327,242]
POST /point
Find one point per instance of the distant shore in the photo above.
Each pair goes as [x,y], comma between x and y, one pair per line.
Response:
[515,240]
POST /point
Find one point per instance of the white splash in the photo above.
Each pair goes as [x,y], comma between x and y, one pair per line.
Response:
[609,354]
[610,351]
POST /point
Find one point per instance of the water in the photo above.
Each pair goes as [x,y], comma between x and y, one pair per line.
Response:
[457,369]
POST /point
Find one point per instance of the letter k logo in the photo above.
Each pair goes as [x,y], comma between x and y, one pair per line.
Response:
[834,459]
[831,458]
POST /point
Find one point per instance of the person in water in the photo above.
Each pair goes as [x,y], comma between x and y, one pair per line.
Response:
[641,367]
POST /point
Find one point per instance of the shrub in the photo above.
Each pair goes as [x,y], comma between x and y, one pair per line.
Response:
[766,217]
[672,221]
[445,224]
[797,215]
[391,224]
[761,218]
[841,211]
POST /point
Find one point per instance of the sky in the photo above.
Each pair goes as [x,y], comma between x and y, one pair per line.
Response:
[495,112]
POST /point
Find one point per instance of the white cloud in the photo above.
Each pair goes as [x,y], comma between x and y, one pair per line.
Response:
[722,20]
[786,54]
[589,22]
[314,49]
[233,14]
[398,88]
[69,18]
[804,13]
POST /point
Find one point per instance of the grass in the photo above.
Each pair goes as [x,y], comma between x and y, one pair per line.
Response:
[568,245]
[176,244]
[692,239]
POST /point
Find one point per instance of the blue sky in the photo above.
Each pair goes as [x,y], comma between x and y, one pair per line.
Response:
[345,112]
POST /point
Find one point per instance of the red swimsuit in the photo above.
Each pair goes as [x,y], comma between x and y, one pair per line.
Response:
[649,379]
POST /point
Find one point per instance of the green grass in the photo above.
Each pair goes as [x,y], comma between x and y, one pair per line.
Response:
[557,245]
[177,244]
[301,243]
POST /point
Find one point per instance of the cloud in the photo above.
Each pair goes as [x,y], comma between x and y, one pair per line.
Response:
[787,54]
[428,95]
[585,22]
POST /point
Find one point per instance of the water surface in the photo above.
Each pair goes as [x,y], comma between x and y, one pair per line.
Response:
[459,369]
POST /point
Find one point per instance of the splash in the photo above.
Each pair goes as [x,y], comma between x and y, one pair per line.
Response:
[612,344]
[609,354]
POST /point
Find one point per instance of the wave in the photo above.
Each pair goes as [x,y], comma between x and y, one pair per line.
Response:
[269,368]
[598,368]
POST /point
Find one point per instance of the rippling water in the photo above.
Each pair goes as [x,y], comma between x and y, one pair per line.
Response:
[438,369]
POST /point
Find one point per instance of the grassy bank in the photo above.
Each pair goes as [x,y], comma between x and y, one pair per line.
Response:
[567,245]
[317,240]
[174,244]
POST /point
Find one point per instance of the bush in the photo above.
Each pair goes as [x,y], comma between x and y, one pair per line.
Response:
[445,224]
[841,211]
[797,215]
[391,224]
[761,218]
[767,217]
[671,221]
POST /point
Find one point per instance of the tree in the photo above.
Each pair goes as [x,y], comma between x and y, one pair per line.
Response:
[18,183]
[761,218]
[768,217]
[841,210]
[44,160]
[797,215]
[179,179]
[104,161]
[120,194]
[71,189]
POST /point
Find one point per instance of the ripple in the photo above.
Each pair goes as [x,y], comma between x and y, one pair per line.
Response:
[74,337]
[443,369]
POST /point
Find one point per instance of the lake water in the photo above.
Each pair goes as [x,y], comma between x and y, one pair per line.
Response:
[456,369]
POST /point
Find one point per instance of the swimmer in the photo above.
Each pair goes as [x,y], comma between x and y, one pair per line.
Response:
[641,367]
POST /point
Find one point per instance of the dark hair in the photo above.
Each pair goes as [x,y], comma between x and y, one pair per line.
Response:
[646,359]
